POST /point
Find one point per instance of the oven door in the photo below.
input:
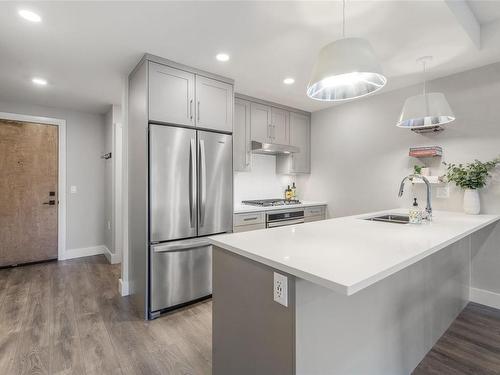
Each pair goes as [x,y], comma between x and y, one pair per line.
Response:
[285,222]
[281,219]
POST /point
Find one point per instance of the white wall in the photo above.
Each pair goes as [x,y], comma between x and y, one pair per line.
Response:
[359,156]
[84,169]
[113,184]
[262,181]
[108,181]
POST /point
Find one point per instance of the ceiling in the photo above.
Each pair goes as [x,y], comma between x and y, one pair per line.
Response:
[85,49]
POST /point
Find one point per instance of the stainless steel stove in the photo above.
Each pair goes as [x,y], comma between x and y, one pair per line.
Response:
[271,202]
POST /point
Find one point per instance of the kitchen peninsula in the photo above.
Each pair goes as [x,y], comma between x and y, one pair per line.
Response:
[362,297]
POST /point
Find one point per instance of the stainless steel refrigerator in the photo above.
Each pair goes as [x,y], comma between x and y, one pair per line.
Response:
[190,198]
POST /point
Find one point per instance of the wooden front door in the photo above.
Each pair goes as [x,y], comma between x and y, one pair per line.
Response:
[28,192]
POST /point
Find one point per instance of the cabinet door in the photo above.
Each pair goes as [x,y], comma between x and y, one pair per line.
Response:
[280,126]
[171,95]
[260,122]
[214,104]
[300,136]
[241,136]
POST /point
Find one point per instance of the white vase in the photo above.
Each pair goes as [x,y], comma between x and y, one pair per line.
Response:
[472,206]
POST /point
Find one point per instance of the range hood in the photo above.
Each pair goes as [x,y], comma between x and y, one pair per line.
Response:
[272,148]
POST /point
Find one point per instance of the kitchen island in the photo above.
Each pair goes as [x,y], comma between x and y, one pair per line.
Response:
[364,297]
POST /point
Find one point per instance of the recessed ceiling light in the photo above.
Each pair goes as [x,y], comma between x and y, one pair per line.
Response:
[288,81]
[222,57]
[39,81]
[29,15]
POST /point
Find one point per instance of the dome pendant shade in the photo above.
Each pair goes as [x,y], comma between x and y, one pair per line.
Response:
[345,69]
[425,110]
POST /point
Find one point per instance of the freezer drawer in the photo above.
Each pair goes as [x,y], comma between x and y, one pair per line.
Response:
[181,271]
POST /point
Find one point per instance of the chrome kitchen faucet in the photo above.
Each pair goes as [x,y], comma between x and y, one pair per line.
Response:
[410,177]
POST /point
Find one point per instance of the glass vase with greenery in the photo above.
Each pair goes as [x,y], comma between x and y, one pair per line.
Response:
[472,175]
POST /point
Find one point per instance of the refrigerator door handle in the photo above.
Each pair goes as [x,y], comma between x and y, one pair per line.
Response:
[192,183]
[203,182]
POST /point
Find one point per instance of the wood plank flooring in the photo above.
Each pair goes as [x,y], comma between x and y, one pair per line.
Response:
[470,346]
[68,318]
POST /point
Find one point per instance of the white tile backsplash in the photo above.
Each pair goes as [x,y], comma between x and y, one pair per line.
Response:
[262,181]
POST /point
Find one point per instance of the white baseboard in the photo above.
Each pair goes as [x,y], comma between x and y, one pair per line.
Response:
[112,258]
[123,287]
[82,252]
[485,297]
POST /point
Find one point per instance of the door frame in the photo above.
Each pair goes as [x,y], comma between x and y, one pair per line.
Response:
[61,173]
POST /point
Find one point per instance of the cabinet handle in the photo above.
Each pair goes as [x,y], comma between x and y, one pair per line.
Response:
[191,109]
[198,110]
[250,218]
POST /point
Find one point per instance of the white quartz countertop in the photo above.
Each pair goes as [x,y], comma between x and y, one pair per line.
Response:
[242,208]
[348,254]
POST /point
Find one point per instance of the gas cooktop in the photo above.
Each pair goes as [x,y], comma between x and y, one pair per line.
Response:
[271,202]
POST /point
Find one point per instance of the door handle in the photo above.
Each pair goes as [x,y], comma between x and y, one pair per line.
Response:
[191,109]
[50,203]
[198,112]
[203,182]
[192,185]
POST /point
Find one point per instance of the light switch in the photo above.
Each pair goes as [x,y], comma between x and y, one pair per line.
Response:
[73,189]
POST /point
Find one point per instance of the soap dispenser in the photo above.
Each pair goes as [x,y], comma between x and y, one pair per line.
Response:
[415,213]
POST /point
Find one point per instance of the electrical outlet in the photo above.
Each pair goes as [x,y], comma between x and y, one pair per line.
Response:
[73,189]
[280,289]
[443,192]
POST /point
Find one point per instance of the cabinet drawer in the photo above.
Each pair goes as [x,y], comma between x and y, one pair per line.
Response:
[248,218]
[314,211]
[310,219]
[246,228]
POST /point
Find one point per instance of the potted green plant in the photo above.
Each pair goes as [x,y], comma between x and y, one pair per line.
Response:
[470,177]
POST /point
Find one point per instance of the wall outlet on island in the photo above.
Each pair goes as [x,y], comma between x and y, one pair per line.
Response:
[280,289]
[443,192]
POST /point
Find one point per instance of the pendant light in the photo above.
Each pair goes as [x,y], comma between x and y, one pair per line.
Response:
[429,110]
[345,69]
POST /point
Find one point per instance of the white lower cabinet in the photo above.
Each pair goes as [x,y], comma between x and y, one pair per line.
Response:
[249,221]
[315,213]
[246,228]
[257,220]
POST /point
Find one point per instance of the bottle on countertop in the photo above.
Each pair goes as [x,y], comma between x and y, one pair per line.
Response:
[288,193]
[415,213]
[294,191]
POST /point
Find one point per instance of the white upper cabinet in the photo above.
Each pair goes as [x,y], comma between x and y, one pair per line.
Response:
[280,126]
[171,95]
[214,104]
[242,141]
[300,136]
[260,120]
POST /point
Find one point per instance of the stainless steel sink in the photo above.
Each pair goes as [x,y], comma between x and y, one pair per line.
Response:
[391,218]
